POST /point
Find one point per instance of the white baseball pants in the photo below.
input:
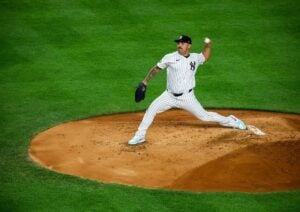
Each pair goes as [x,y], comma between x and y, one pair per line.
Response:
[188,102]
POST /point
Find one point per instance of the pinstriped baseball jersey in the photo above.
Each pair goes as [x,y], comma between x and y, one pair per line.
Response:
[181,70]
[181,73]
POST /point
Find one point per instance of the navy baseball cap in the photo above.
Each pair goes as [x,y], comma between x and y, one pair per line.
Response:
[184,39]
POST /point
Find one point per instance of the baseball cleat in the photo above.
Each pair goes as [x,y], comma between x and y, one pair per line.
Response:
[238,123]
[136,140]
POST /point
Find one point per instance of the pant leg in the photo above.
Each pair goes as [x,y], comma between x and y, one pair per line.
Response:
[191,104]
[160,104]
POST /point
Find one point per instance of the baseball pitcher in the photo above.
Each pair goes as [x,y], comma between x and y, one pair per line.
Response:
[181,67]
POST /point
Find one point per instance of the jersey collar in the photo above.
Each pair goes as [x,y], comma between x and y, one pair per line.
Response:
[186,57]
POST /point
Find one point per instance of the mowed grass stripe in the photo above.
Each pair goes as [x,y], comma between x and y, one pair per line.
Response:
[64,60]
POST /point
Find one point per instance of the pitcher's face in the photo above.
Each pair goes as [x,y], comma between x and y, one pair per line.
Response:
[183,48]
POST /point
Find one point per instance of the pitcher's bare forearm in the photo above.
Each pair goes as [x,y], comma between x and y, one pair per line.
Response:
[207,51]
[151,74]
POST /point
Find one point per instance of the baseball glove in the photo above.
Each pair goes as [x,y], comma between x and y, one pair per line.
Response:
[140,92]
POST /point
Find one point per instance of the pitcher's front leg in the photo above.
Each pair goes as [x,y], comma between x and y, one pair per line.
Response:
[159,105]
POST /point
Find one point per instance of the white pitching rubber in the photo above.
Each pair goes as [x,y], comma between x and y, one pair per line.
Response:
[255,130]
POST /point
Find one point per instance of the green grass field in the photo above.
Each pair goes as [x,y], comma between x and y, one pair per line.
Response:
[65,60]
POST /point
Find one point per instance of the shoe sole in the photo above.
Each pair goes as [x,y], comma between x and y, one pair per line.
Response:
[139,142]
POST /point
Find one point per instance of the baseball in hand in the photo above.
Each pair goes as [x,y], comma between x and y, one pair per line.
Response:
[206,40]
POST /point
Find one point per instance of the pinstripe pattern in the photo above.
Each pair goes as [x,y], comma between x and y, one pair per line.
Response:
[180,79]
[188,102]
[181,71]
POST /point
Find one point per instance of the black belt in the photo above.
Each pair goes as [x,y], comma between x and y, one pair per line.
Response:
[180,94]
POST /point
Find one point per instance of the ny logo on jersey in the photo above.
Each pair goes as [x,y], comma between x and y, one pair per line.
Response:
[193,65]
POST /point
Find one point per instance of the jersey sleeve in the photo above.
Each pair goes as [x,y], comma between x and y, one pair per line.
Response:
[163,63]
[201,58]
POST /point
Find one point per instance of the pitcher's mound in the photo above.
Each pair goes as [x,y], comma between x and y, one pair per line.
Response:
[181,152]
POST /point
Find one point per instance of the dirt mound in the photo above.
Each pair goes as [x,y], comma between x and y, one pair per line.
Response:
[267,167]
[181,152]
